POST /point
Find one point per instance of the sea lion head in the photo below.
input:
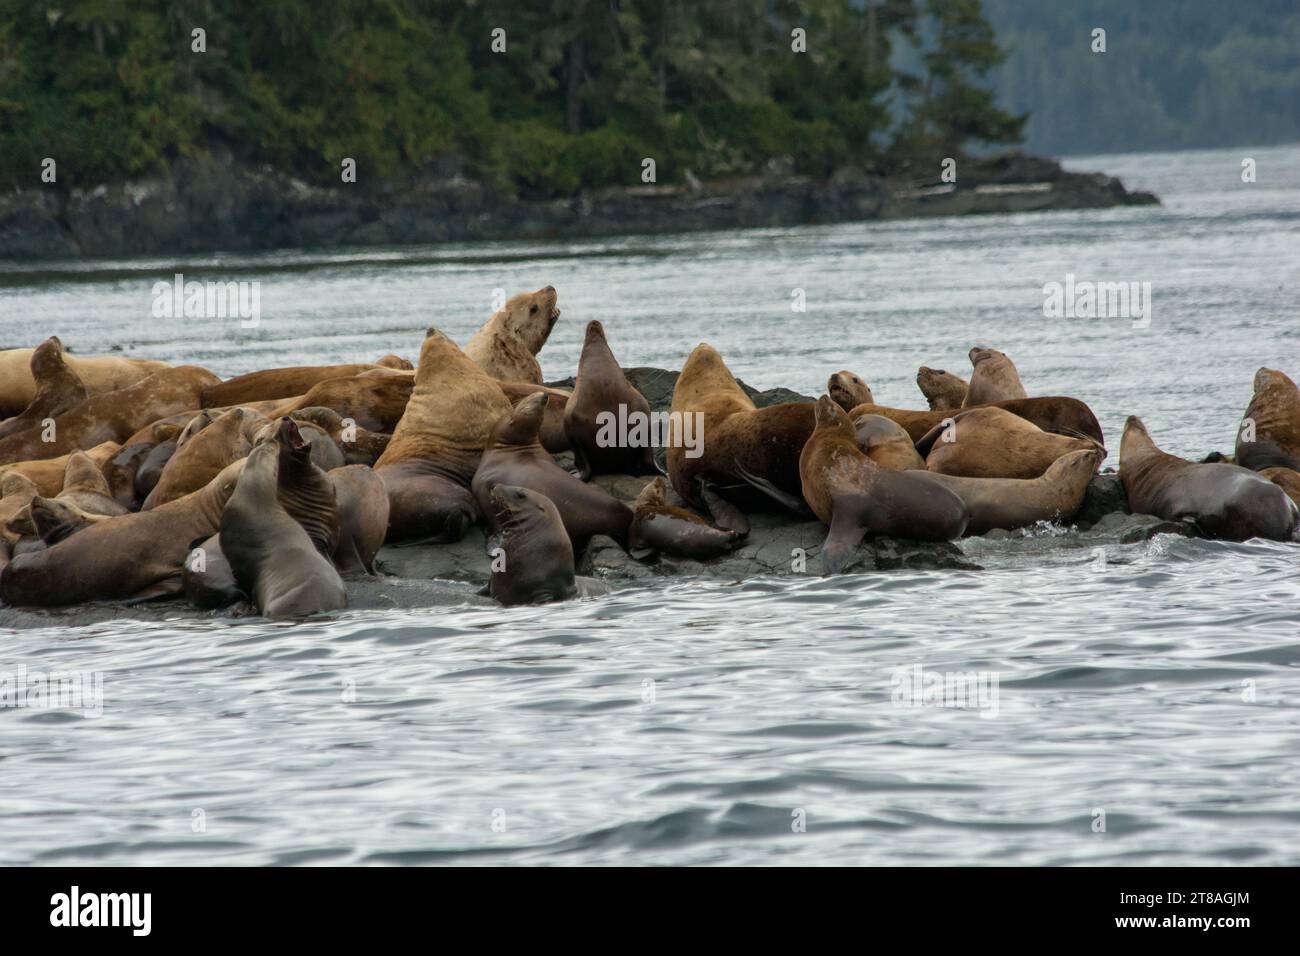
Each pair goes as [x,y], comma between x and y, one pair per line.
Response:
[1268,379]
[54,520]
[981,353]
[848,391]
[653,495]
[294,448]
[511,504]
[522,424]
[47,356]
[1076,465]
[396,362]
[195,425]
[530,316]
[830,414]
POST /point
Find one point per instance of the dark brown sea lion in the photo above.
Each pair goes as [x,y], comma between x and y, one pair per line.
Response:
[886,442]
[120,472]
[363,517]
[358,445]
[1011,503]
[532,558]
[271,556]
[603,412]
[748,457]
[375,403]
[98,374]
[435,449]
[285,383]
[54,519]
[1225,501]
[325,452]
[133,556]
[507,345]
[1269,436]
[58,388]
[1288,479]
[943,390]
[554,439]
[848,390]
[111,416]
[994,378]
[660,527]
[515,456]
[854,497]
[207,581]
[990,442]
[151,468]
[47,473]
[201,454]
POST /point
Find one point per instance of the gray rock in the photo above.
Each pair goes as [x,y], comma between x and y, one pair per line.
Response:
[1131,528]
[465,560]
[1105,495]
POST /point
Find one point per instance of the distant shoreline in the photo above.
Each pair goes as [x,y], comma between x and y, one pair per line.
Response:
[216,204]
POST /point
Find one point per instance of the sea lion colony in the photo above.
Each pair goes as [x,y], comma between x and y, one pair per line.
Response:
[129,480]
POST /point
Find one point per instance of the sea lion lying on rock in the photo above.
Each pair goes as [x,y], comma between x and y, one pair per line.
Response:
[48,473]
[98,374]
[658,527]
[283,383]
[201,454]
[58,389]
[1058,414]
[990,442]
[1269,436]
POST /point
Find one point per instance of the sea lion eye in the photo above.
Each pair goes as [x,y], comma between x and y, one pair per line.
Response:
[533,310]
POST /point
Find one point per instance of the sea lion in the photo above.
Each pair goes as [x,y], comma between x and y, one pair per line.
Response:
[359,446]
[515,456]
[660,527]
[943,390]
[507,345]
[1011,503]
[53,519]
[151,468]
[435,449]
[532,557]
[84,488]
[1058,414]
[1288,479]
[48,473]
[271,556]
[554,438]
[202,453]
[325,452]
[1224,501]
[110,416]
[748,457]
[603,399]
[375,403]
[16,493]
[207,580]
[283,383]
[991,442]
[854,497]
[133,556]
[848,390]
[98,374]
[994,378]
[886,442]
[58,388]
[363,517]
[1274,411]
[120,472]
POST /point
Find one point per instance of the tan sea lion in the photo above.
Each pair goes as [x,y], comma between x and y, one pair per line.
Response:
[1012,503]
[375,403]
[98,374]
[602,401]
[1058,414]
[133,556]
[47,473]
[659,527]
[359,446]
[16,493]
[749,457]
[271,556]
[363,517]
[58,388]
[532,557]
[1288,479]
[886,442]
[284,383]
[205,451]
[848,390]
[110,416]
[86,488]
[991,442]
[994,378]
[435,449]
[1272,420]
[515,456]
[1224,501]
[943,390]
[507,345]
[554,438]
[854,497]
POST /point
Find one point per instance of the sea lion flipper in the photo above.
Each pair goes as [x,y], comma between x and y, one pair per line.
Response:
[582,470]
[725,515]
[169,586]
[783,498]
[841,544]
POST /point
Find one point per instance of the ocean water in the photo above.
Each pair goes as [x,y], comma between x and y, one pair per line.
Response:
[1134,705]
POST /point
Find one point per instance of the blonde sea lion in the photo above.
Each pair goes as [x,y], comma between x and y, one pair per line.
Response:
[602,399]
[994,378]
[886,442]
[1224,501]
[991,442]
[1058,414]
[515,456]
[359,446]
[943,390]
[1012,503]
[47,473]
[1269,436]
[659,527]
[1288,479]
[375,403]
[98,374]
[284,383]
[538,556]
[848,390]
[58,388]
[133,556]
[110,416]
[507,345]
[854,497]
[202,453]
[16,493]
[435,449]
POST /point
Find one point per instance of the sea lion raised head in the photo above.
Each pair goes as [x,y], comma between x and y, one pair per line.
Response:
[57,388]
[602,392]
[507,345]
[523,423]
[538,556]
[994,378]
[942,389]
[848,390]
[1269,434]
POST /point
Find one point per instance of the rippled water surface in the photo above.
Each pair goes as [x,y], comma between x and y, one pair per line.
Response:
[1155,691]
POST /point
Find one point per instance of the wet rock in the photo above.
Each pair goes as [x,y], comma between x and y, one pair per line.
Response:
[1105,496]
[1131,528]
[464,560]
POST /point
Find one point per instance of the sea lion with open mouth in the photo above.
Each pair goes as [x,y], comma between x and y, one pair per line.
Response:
[848,390]
[532,557]
[506,346]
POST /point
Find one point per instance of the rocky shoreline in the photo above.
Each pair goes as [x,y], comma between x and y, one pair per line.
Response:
[214,203]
